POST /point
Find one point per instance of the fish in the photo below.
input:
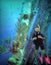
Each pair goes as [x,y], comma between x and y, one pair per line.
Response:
[8,40]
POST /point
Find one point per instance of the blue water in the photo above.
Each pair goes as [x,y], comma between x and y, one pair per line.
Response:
[4,58]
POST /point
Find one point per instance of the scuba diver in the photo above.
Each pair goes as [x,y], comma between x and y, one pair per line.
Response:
[38,39]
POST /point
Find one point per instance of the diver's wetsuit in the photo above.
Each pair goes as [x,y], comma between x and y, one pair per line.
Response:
[38,42]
